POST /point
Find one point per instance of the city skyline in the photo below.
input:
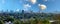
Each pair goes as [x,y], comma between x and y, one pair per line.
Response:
[51,5]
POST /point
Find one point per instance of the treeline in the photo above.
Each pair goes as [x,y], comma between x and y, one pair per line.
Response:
[32,18]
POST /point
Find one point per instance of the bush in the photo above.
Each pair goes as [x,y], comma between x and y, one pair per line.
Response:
[34,21]
[1,22]
[45,22]
[17,22]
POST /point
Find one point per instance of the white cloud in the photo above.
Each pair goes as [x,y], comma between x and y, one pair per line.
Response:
[33,1]
[26,6]
[39,4]
[42,6]
[25,9]
[17,10]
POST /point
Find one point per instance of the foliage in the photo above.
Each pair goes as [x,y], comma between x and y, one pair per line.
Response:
[1,22]
[45,21]
[17,22]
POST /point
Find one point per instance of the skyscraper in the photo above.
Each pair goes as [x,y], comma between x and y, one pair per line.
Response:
[22,11]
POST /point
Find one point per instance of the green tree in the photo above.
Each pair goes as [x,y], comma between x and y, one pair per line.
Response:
[17,22]
[1,22]
[45,21]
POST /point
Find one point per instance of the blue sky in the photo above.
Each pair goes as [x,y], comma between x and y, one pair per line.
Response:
[51,5]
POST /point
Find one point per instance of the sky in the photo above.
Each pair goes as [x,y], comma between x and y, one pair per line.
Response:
[33,5]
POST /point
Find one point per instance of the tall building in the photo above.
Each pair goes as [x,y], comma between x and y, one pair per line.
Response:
[23,11]
[11,11]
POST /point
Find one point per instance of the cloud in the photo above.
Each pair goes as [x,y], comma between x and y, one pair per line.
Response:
[17,10]
[42,6]
[33,1]
[26,6]
[25,9]
[39,4]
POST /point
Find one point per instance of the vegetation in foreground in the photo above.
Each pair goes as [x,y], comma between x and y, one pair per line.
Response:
[18,21]
[28,18]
